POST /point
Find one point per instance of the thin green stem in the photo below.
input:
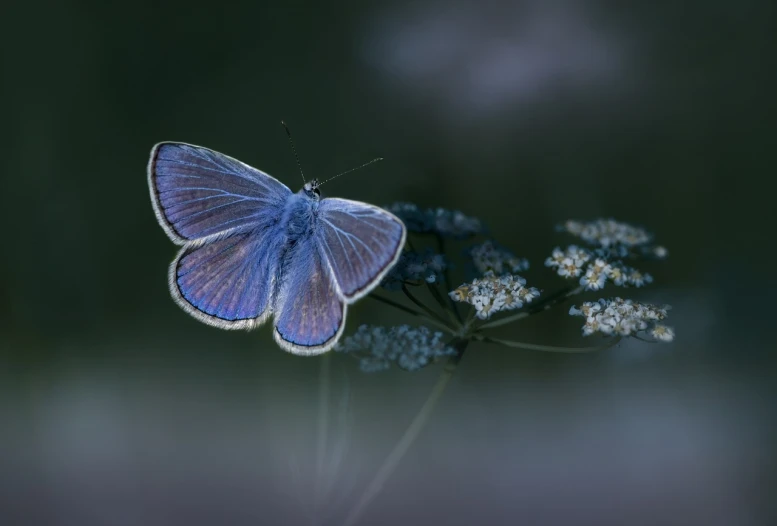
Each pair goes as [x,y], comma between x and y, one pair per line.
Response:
[471,318]
[540,306]
[549,348]
[411,433]
[443,304]
[396,305]
[422,305]
[403,308]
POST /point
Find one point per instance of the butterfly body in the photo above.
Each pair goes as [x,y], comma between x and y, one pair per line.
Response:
[253,249]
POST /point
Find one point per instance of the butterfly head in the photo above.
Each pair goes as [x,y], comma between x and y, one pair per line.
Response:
[311,189]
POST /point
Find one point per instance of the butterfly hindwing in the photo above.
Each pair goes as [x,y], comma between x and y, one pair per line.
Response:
[198,193]
[361,243]
[227,282]
[310,315]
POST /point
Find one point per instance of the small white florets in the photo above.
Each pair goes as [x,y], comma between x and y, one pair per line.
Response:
[491,294]
[617,316]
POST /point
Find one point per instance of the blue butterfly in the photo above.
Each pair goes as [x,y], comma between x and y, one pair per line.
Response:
[252,248]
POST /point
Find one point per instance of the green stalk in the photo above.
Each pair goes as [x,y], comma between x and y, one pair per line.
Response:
[411,433]
[414,312]
[421,305]
[548,348]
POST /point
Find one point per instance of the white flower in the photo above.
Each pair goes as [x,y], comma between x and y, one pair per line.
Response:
[570,262]
[593,279]
[492,294]
[662,333]
[556,257]
[580,255]
[659,252]
[638,279]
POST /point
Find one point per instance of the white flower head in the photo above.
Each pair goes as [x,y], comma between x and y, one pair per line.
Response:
[410,348]
[490,256]
[491,294]
[624,318]
[447,223]
[415,267]
[607,232]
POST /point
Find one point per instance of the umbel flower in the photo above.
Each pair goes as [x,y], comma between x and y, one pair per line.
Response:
[498,288]
[497,296]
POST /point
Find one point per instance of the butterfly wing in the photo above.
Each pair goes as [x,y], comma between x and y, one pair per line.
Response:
[226,215]
[361,243]
[310,314]
[199,194]
[227,282]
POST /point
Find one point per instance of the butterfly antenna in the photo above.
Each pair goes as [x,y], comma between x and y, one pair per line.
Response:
[293,149]
[352,170]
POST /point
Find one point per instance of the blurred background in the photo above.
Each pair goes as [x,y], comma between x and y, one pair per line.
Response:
[117,408]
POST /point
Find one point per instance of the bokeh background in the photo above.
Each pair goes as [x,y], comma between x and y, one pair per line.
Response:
[116,408]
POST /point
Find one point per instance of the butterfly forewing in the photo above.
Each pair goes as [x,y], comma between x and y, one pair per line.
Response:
[361,242]
[199,193]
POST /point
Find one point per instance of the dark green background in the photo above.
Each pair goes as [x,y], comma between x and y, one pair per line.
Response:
[118,408]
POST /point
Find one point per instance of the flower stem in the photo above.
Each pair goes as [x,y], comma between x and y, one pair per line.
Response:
[422,305]
[549,348]
[411,433]
[539,306]
[414,312]
[454,319]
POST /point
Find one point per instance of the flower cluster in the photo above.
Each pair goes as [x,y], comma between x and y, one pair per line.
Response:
[415,267]
[615,239]
[410,348]
[490,256]
[624,317]
[498,286]
[447,223]
[491,294]
[574,262]
[607,233]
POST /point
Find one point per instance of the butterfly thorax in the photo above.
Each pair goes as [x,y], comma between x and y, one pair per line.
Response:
[300,215]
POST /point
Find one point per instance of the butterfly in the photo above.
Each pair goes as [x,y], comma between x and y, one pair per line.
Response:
[251,248]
